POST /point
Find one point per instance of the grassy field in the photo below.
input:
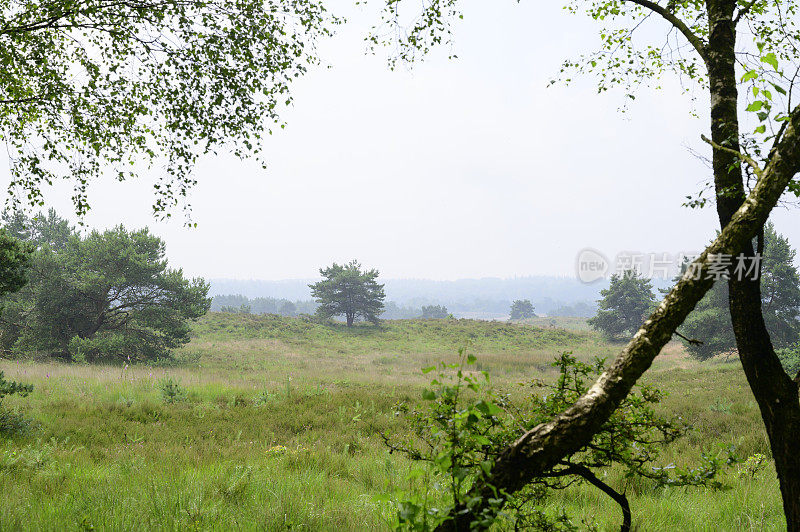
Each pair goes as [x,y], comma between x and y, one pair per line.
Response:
[560,322]
[280,428]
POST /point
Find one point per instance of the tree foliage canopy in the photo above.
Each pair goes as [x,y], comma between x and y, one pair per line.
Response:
[15,256]
[91,86]
[107,296]
[434,312]
[624,304]
[710,323]
[522,309]
[348,291]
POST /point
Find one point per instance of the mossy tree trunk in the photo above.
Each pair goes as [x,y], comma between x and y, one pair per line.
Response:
[774,390]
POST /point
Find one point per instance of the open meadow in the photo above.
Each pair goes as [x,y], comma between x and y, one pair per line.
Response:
[276,425]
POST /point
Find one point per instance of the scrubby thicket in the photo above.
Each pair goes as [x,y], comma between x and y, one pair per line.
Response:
[435,312]
[466,425]
[107,296]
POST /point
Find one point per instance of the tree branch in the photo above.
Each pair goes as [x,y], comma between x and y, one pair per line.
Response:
[620,498]
[746,158]
[690,340]
[670,17]
[742,12]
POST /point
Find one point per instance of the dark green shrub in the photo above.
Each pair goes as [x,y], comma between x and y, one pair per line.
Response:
[12,422]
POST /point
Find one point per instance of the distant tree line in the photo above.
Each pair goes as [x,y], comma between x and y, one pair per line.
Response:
[239,304]
[435,312]
[581,309]
[394,311]
[400,304]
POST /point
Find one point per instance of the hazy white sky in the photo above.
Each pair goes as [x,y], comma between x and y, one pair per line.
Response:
[466,168]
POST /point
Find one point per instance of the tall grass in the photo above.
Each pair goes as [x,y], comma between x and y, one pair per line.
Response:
[279,429]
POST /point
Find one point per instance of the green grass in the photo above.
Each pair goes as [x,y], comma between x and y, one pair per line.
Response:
[280,429]
[569,323]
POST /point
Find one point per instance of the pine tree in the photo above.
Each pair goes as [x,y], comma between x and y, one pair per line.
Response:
[624,304]
[709,325]
[347,291]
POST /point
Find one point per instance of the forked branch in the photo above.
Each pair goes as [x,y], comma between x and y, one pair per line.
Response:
[681,26]
[744,11]
[744,157]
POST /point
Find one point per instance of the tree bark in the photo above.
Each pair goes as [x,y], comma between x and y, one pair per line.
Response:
[540,449]
[774,390]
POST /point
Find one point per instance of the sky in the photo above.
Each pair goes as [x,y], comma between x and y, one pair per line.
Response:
[462,168]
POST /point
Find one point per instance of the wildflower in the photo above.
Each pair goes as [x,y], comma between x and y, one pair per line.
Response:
[276,450]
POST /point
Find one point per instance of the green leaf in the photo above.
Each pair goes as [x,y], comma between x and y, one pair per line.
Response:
[749,76]
[482,440]
[755,106]
[771,60]
[428,369]
[489,409]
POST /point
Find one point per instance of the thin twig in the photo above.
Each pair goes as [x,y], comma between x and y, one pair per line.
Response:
[749,160]
[742,12]
[690,340]
[678,23]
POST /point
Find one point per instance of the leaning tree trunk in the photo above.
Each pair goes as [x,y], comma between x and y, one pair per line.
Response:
[543,447]
[775,392]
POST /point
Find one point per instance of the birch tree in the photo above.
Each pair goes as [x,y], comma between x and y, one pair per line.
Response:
[732,45]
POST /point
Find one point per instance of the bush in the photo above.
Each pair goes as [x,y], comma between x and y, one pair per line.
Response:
[435,312]
[12,422]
